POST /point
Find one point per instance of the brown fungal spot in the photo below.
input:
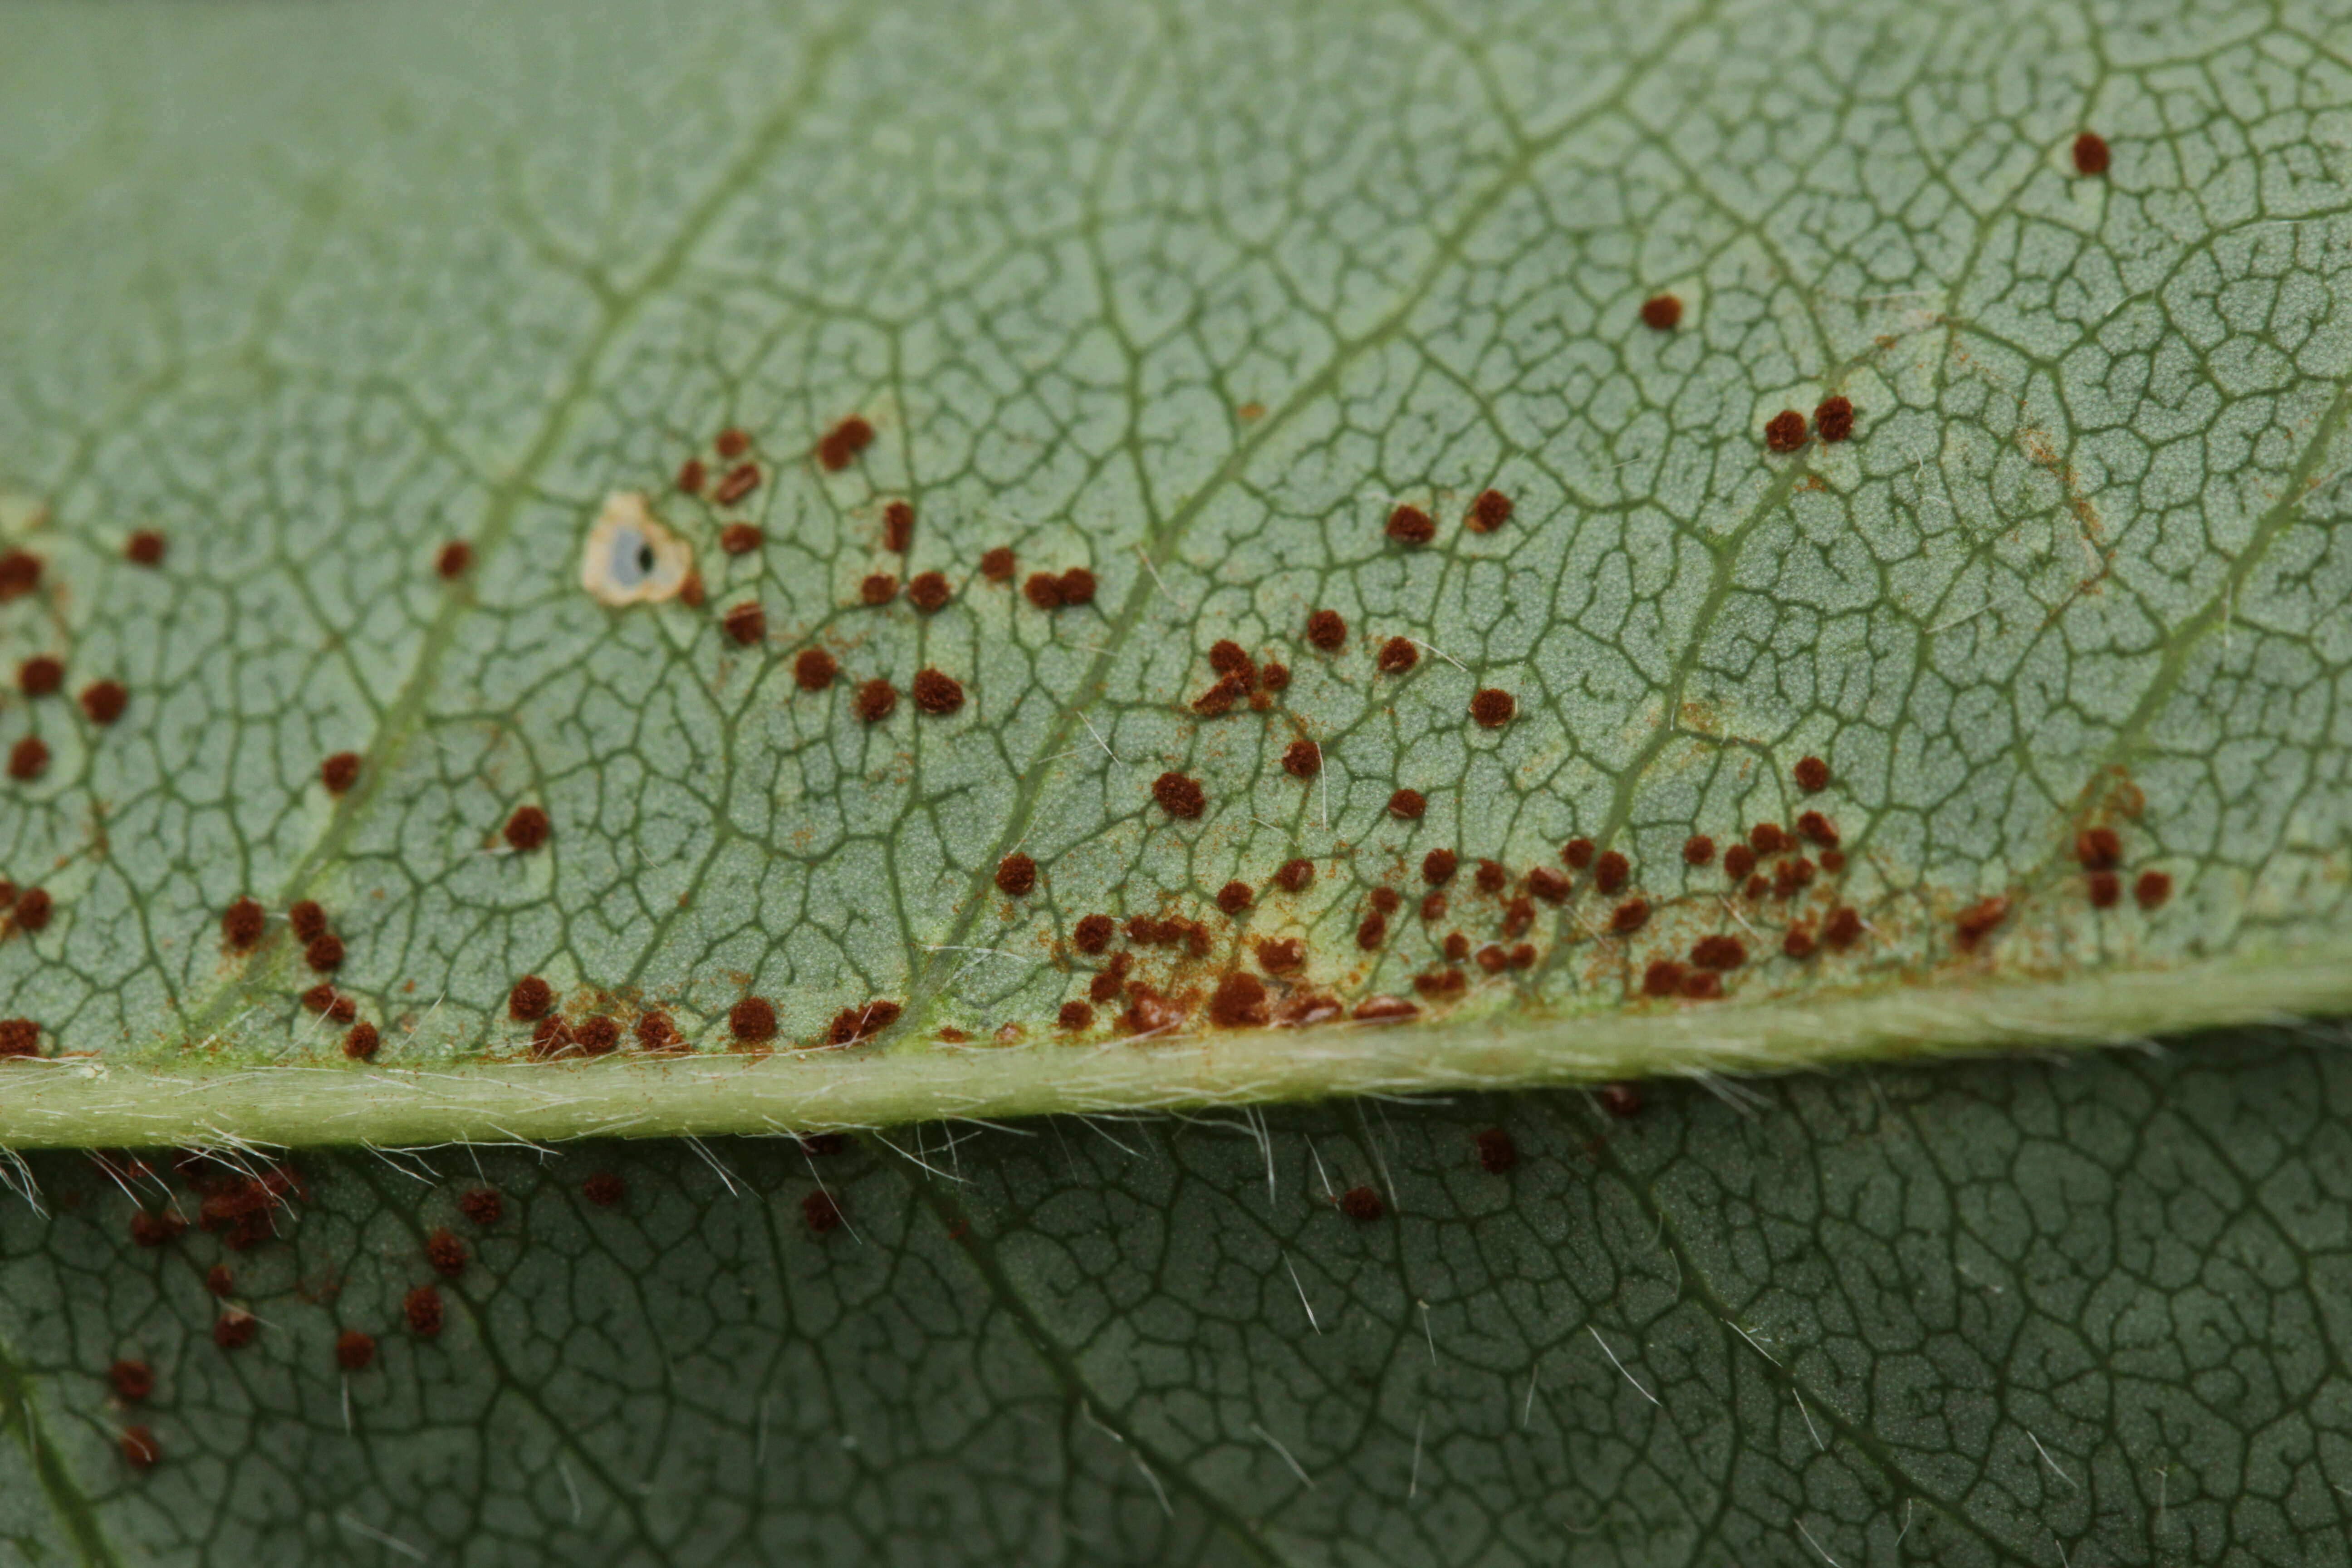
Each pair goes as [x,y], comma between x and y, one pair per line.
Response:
[1757,887]
[658,1032]
[1785,431]
[28,759]
[929,591]
[1016,875]
[843,442]
[325,952]
[1552,887]
[1398,655]
[1456,947]
[1612,872]
[690,591]
[1491,877]
[1407,803]
[1720,952]
[1303,760]
[139,1449]
[361,1044]
[1075,1017]
[733,442]
[2091,153]
[1630,915]
[422,1306]
[339,771]
[527,829]
[747,623]
[740,482]
[1766,839]
[309,919]
[133,1380]
[1411,526]
[354,1351]
[156,1229]
[446,1253]
[39,676]
[1622,1100]
[2151,890]
[937,693]
[1437,867]
[997,565]
[813,669]
[241,925]
[1283,957]
[144,548]
[1577,853]
[852,1024]
[1107,986]
[604,1189]
[20,574]
[550,1039]
[1219,698]
[1294,876]
[1518,916]
[1833,420]
[1663,977]
[1738,861]
[690,476]
[879,588]
[33,907]
[1373,931]
[1361,1203]
[319,998]
[897,527]
[1327,630]
[1798,943]
[1275,676]
[234,1330]
[738,539]
[1239,1002]
[1078,586]
[1178,796]
[752,1021]
[2099,849]
[1812,774]
[1044,589]
[1697,849]
[877,700]
[2107,889]
[1497,1153]
[530,1000]
[1235,897]
[597,1036]
[1979,921]
[1439,983]
[1093,933]
[19,1037]
[1387,900]
[821,1212]
[1834,861]
[1661,312]
[1492,707]
[1814,826]
[104,700]
[1433,905]
[1488,512]
[483,1207]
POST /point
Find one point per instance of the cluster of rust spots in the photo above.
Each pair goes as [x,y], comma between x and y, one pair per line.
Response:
[1832,421]
[1050,590]
[2100,852]
[843,443]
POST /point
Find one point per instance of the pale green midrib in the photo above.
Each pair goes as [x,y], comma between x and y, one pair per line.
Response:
[1053,1356]
[1161,540]
[519,487]
[82,1102]
[65,1500]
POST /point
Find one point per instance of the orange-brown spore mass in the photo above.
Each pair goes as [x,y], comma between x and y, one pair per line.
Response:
[1075,1017]
[339,771]
[1398,655]
[1303,760]
[1661,312]
[997,565]
[1239,1002]
[144,548]
[937,693]
[842,444]
[813,669]
[1407,803]
[1362,1203]
[1235,897]
[2151,889]
[747,623]
[1016,875]
[361,1043]
[422,1307]
[1488,512]
[530,1000]
[104,700]
[1492,707]
[1093,933]
[354,1351]
[2090,154]
[1833,420]
[929,592]
[242,924]
[1785,431]
[527,829]
[1294,876]
[1812,774]
[1179,795]
[897,527]
[1411,526]
[446,1253]
[1327,630]
[752,1021]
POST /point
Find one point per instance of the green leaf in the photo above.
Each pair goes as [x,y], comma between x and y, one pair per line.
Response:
[1191,303]
[1967,1315]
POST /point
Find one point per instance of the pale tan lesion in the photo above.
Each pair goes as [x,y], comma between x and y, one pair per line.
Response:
[630,558]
